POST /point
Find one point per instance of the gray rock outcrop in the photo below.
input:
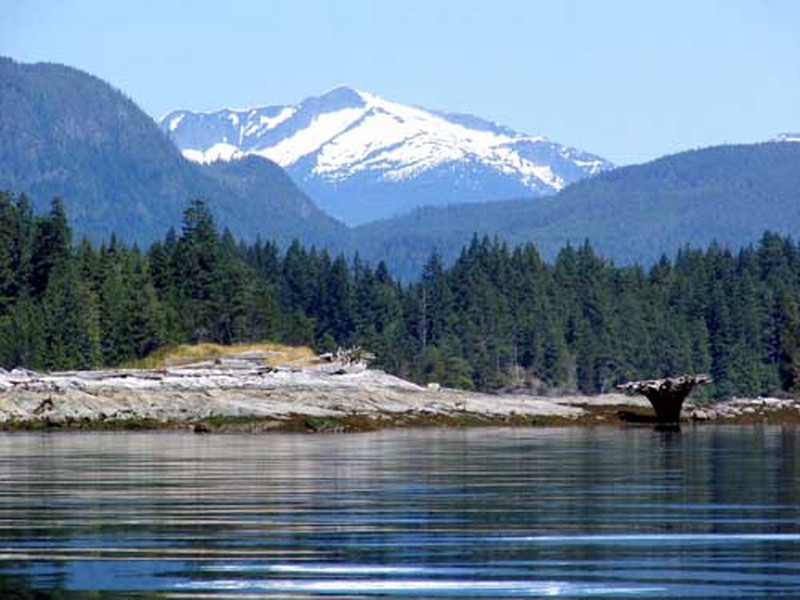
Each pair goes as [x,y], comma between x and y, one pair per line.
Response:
[238,389]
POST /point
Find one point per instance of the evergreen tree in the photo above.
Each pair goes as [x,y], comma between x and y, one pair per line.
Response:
[8,227]
[71,322]
[51,247]
[786,334]
[198,268]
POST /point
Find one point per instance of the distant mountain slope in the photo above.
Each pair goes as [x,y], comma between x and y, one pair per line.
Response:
[362,157]
[269,204]
[729,194]
[66,133]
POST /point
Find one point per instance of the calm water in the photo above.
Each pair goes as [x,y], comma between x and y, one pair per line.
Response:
[501,513]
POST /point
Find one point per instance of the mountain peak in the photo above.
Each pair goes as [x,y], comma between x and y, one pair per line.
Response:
[364,157]
[341,96]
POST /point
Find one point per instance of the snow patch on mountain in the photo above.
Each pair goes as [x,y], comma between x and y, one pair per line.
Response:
[787,137]
[221,151]
[323,130]
[175,121]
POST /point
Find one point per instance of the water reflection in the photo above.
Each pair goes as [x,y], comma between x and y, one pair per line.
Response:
[569,513]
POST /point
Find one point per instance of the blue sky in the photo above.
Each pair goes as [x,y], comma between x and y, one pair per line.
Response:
[629,80]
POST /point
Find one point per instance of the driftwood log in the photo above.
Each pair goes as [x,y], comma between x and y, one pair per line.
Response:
[666,395]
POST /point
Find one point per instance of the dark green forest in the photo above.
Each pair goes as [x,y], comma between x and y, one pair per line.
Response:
[498,318]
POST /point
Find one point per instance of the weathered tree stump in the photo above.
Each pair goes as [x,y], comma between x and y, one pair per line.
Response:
[666,395]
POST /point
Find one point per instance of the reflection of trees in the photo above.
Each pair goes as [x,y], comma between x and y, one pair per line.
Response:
[17,587]
[757,469]
[477,497]
[31,502]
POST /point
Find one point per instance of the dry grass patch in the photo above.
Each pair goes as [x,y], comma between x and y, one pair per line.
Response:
[184,354]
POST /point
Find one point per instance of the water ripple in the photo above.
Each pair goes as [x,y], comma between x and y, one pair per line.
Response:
[570,513]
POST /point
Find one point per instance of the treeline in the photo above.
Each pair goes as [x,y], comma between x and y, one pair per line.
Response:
[499,318]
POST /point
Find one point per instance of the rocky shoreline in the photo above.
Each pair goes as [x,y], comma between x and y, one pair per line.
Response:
[238,395]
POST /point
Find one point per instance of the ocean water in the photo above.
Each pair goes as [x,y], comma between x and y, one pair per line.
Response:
[706,512]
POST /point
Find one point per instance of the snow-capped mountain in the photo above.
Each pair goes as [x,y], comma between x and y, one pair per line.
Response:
[362,157]
[786,137]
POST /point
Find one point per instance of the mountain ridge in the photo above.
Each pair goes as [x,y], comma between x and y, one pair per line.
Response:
[632,215]
[363,157]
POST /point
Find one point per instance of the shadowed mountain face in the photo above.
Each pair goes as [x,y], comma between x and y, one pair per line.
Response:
[363,157]
[66,133]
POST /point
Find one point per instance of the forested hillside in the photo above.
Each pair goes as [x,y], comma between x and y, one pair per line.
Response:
[68,134]
[632,215]
[499,318]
